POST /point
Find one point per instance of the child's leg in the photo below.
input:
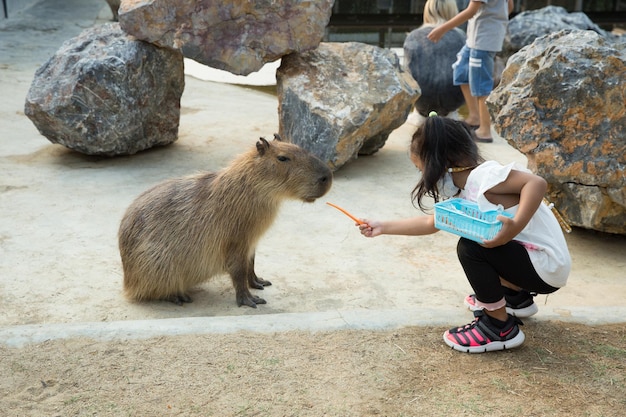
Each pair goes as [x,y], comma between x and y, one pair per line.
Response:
[460,77]
[484,129]
[486,267]
[473,115]
[519,302]
[492,328]
[510,285]
[481,65]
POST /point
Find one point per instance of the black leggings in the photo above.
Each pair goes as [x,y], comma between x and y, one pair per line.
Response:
[484,267]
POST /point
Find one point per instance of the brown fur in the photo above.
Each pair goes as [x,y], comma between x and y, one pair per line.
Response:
[184,231]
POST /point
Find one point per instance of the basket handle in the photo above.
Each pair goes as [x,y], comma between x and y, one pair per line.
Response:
[564,225]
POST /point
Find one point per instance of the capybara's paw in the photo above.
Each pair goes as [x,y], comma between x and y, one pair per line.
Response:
[263,282]
[179,299]
[258,300]
[249,300]
[259,283]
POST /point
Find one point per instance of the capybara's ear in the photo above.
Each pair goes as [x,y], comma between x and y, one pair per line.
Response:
[277,137]
[262,146]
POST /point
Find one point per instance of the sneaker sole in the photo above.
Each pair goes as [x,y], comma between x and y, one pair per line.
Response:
[531,310]
[525,312]
[489,347]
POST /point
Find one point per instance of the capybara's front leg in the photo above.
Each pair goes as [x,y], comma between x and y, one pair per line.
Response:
[239,274]
[248,299]
[253,280]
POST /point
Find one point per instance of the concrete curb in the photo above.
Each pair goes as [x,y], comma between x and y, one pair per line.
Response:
[21,335]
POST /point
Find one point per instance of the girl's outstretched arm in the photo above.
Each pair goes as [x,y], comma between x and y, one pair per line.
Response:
[414,226]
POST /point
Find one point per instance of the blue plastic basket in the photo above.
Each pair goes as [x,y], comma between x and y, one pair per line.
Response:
[463,218]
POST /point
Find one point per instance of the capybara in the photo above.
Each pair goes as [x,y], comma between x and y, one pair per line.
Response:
[184,231]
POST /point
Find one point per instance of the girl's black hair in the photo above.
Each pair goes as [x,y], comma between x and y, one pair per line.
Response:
[441,143]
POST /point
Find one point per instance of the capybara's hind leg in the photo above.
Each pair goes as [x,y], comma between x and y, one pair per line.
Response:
[253,280]
[179,299]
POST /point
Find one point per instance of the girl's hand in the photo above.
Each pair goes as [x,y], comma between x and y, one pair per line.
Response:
[370,228]
[436,34]
[506,234]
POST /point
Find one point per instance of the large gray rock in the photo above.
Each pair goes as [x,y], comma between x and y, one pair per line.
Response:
[561,103]
[238,36]
[431,65]
[343,99]
[527,26]
[105,93]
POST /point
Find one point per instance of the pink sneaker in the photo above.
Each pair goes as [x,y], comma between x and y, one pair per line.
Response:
[482,335]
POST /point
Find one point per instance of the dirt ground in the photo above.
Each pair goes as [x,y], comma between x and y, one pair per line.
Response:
[563,369]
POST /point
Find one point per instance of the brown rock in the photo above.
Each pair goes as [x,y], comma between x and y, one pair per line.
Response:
[237,36]
[561,103]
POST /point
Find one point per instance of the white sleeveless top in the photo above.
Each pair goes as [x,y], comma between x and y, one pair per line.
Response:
[542,237]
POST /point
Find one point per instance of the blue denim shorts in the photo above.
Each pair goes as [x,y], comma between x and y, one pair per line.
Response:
[474,67]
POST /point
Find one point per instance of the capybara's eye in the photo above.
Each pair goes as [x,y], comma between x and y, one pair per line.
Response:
[282,158]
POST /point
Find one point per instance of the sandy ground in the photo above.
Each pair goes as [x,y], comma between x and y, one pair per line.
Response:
[59,263]
[61,211]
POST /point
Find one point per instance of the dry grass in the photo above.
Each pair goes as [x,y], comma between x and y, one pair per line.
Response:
[562,369]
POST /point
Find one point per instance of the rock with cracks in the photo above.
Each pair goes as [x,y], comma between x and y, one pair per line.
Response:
[105,93]
[238,36]
[342,100]
[561,103]
[527,26]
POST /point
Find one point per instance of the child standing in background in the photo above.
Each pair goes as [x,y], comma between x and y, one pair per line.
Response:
[528,255]
[437,12]
[473,70]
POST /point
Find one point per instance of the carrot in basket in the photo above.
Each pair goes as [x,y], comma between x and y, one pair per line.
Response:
[345,212]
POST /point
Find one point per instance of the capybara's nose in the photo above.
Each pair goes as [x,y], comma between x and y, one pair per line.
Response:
[326,180]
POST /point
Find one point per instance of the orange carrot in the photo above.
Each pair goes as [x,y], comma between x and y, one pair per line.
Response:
[346,213]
